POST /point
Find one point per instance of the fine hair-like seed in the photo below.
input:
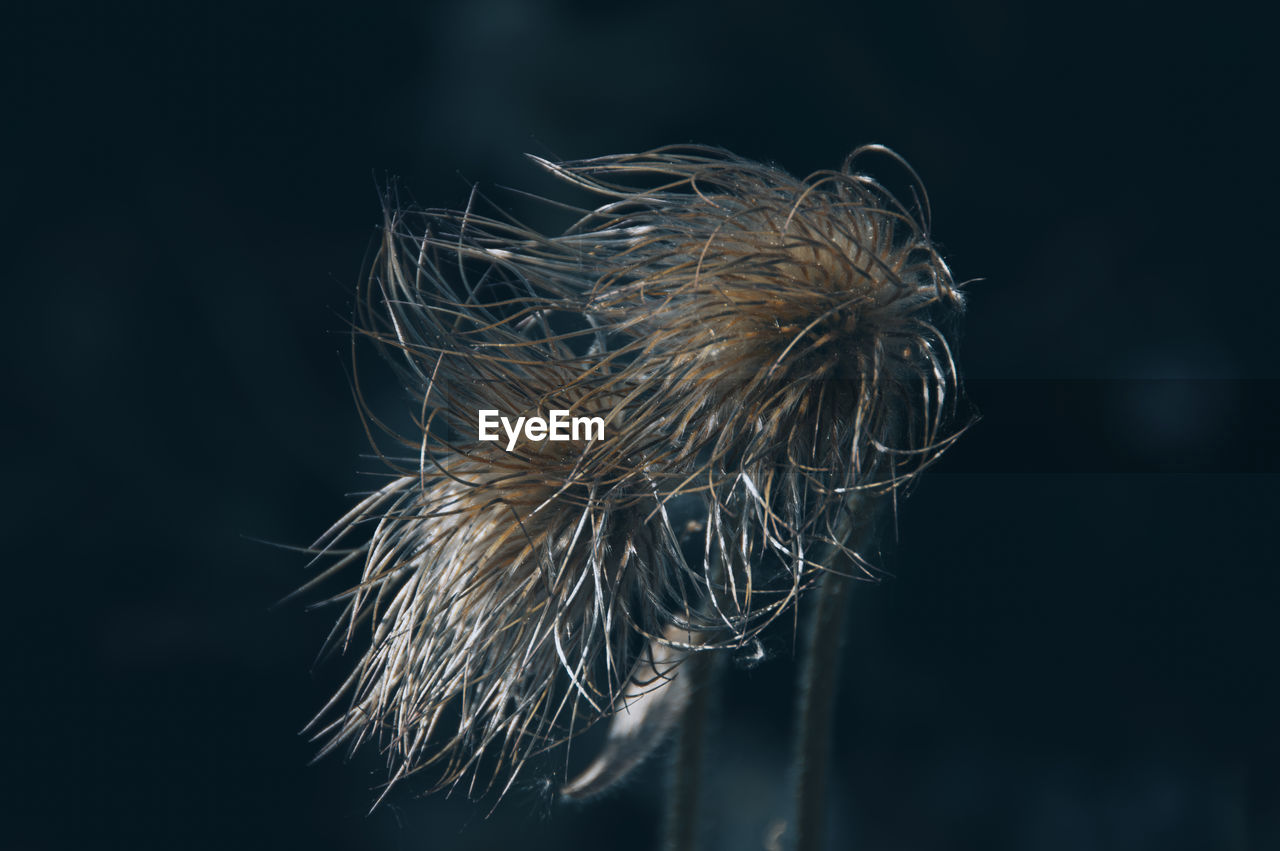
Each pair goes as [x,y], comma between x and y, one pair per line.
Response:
[762,350]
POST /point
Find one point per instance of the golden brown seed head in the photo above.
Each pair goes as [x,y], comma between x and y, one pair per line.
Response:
[761,347]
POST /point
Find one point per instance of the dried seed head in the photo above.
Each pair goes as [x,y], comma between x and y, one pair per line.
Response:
[506,589]
[760,346]
[787,326]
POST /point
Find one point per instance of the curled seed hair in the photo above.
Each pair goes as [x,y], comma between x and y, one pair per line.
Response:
[787,325]
[506,592]
[761,348]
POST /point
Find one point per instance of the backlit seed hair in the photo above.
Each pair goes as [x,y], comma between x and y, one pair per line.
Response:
[505,594]
[788,326]
[761,347]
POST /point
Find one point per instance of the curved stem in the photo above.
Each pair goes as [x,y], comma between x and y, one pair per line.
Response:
[685,784]
[817,708]
[821,681]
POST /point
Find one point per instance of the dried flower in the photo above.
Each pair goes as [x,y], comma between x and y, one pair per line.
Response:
[760,348]
[508,588]
[784,328]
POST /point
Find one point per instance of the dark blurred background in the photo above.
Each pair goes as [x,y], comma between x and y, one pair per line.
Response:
[1077,648]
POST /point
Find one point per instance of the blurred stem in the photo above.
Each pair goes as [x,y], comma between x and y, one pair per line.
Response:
[821,678]
[685,786]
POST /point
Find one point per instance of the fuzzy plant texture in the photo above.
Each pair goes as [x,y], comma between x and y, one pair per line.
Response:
[764,352]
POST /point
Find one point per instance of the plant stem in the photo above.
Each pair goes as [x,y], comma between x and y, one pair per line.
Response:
[685,786]
[821,680]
